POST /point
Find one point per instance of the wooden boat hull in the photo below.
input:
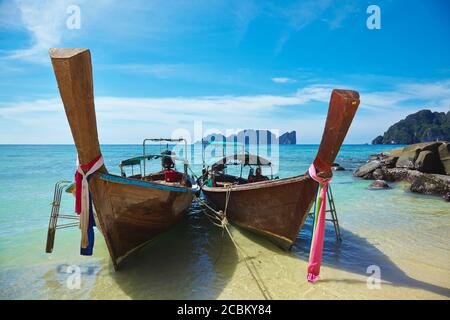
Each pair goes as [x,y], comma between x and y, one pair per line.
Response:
[130,212]
[276,209]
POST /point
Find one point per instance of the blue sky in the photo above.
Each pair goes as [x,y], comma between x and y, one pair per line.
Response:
[160,66]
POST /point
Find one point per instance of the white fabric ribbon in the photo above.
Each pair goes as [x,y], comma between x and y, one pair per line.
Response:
[84,214]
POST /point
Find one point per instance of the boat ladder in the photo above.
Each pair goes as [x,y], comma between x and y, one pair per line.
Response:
[60,187]
[333,213]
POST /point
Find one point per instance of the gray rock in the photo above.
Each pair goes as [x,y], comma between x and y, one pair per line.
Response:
[395,174]
[379,184]
[378,174]
[390,161]
[421,165]
[428,162]
[444,155]
[366,170]
[407,159]
[288,138]
[393,152]
[410,153]
[435,184]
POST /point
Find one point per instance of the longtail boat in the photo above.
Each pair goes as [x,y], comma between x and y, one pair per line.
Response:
[277,208]
[129,211]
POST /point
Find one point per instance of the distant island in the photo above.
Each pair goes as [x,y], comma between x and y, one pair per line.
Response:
[254,137]
[422,126]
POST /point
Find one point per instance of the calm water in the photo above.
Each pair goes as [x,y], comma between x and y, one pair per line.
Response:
[405,235]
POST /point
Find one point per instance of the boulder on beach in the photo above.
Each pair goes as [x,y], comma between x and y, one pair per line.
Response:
[393,152]
[436,184]
[428,162]
[378,174]
[395,174]
[379,184]
[390,161]
[444,155]
[366,170]
[409,154]
[426,166]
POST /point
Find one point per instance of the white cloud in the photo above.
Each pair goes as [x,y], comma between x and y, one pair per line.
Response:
[127,119]
[283,80]
[114,20]
[45,21]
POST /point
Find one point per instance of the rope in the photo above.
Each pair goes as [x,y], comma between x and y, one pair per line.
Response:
[193,173]
[222,218]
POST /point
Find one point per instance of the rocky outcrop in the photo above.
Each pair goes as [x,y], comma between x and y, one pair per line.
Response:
[422,126]
[444,155]
[366,171]
[436,184]
[288,138]
[423,165]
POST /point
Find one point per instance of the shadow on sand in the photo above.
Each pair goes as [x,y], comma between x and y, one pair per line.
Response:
[354,254]
[195,260]
[191,261]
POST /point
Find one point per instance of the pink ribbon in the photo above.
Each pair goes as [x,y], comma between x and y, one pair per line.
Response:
[315,255]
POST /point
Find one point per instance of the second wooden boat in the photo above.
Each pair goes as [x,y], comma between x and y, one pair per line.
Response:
[277,208]
[130,211]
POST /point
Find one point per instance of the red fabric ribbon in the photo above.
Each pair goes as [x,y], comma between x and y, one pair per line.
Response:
[78,181]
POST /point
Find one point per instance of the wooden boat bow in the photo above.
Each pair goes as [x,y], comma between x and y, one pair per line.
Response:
[342,109]
[73,71]
[130,211]
[278,208]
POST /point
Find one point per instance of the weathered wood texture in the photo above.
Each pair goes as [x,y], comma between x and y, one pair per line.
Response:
[129,215]
[278,208]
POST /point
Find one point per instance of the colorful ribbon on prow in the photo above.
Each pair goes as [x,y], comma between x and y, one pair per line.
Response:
[83,203]
[315,254]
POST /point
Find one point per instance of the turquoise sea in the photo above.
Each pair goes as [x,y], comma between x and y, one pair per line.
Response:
[404,237]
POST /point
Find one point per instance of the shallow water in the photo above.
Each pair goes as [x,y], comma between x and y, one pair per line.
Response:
[405,235]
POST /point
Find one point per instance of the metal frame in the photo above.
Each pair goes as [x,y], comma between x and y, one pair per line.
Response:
[332,209]
[167,140]
[204,143]
[60,186]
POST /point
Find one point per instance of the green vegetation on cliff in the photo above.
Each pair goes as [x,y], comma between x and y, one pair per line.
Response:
[422,126]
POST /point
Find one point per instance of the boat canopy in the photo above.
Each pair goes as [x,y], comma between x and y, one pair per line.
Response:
[244,159]
[222,143]
[137,160]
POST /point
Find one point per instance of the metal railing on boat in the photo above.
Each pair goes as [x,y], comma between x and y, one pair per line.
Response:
[53,225]
[333,213]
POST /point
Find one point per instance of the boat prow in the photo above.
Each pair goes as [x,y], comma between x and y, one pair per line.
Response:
[278,208]
[131,212]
